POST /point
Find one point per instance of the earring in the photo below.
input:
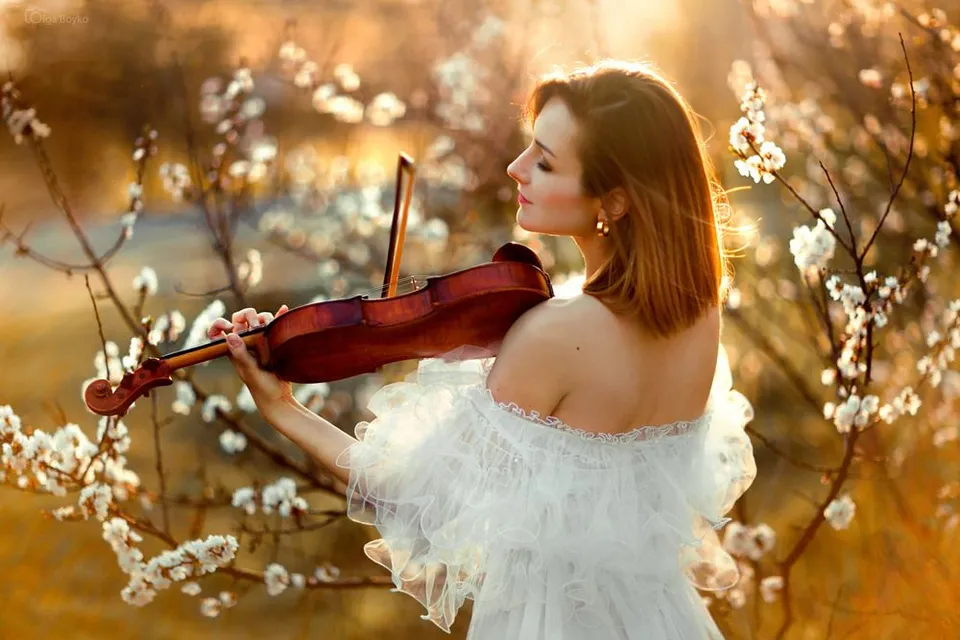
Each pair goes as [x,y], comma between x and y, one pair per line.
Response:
[603,229]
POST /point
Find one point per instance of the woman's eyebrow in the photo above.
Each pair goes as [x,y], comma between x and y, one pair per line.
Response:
[544,147]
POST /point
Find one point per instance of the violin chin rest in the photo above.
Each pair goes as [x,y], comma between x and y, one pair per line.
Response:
[516,252]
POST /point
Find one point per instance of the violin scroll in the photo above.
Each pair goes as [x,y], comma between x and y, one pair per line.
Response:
[103,401]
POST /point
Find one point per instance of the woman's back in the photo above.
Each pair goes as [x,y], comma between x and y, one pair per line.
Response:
[623,377]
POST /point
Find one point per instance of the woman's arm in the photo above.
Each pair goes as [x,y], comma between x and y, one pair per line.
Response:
[320,439]
[531,371]
[274,398]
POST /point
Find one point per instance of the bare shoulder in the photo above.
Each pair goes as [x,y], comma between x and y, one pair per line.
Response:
[577,360]
[533,365]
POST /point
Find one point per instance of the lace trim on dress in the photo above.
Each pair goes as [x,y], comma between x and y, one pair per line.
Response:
[646,432]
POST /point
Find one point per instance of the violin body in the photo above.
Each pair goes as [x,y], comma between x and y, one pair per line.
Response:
[328,341]
[336,339]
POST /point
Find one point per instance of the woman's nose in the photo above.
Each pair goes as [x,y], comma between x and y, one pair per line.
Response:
[513,170]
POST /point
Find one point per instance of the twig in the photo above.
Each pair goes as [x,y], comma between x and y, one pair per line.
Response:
[816,468]
[96,313]
[833,612]
[795,377]
[843,209]
[906,168]
[165,510]
[304,528]
[806,537]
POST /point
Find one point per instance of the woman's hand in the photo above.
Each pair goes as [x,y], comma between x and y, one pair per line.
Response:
[268,391]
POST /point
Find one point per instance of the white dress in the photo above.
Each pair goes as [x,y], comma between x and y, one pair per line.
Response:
[555,533]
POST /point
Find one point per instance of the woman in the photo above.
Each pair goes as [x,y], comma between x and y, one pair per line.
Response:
[570,485]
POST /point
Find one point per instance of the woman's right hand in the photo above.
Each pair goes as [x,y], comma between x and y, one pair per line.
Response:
[267,390]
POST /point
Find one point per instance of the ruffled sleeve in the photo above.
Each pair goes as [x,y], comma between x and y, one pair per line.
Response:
[477,499]
[725,469]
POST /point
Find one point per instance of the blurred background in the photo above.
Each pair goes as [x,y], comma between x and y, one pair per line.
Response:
[305,168]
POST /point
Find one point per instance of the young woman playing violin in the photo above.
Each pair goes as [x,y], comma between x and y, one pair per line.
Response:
[572,484]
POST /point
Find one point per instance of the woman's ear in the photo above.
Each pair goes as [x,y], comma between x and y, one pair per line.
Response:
[616,203]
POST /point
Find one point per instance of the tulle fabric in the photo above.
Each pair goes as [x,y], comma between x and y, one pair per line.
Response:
[555,533]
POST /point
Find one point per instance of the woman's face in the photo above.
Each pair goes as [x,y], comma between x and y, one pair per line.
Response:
[548,175]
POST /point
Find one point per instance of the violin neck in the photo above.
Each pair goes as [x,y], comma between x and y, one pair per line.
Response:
[211,350]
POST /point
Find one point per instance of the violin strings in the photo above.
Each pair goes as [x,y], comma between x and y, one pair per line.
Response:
[406,284]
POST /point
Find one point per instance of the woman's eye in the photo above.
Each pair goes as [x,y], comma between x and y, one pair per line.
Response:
[544,166]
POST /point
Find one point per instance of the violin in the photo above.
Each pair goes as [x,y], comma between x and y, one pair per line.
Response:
[336,339]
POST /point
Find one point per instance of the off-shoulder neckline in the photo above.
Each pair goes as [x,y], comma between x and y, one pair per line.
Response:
[643,432]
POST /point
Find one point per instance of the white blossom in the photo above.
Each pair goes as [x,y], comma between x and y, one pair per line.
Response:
[186,397]
[252,108]
[128,221]
[251,269]
[167,328]
[239,169]
[322,95]
[213,404]
[871,78]
[345,109]
[95,499]
[765,538]
[53,462]
[232,442]
[276,579]
[855,411]
[130,360]
[750,542]
[109,365]
[176,179]
[347,77]
[198,330]
[773,158]
[953,202]
[210,607]
[925,246]
[281,496]
[839,513]
[945,435]
[312,393]
[736,597]
[244,400]
[245,498]
[306,75]
[193,558]
[384,109]
[906,402]
[68,512]
[326,573]
[769,587]
[743,132]
[942,238]
[753,100]
[289,51]
[20,122]
[813,247]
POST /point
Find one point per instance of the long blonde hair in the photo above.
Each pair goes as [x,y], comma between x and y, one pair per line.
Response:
[636,132]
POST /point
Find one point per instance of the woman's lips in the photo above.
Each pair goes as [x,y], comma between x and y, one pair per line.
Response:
[521,199]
